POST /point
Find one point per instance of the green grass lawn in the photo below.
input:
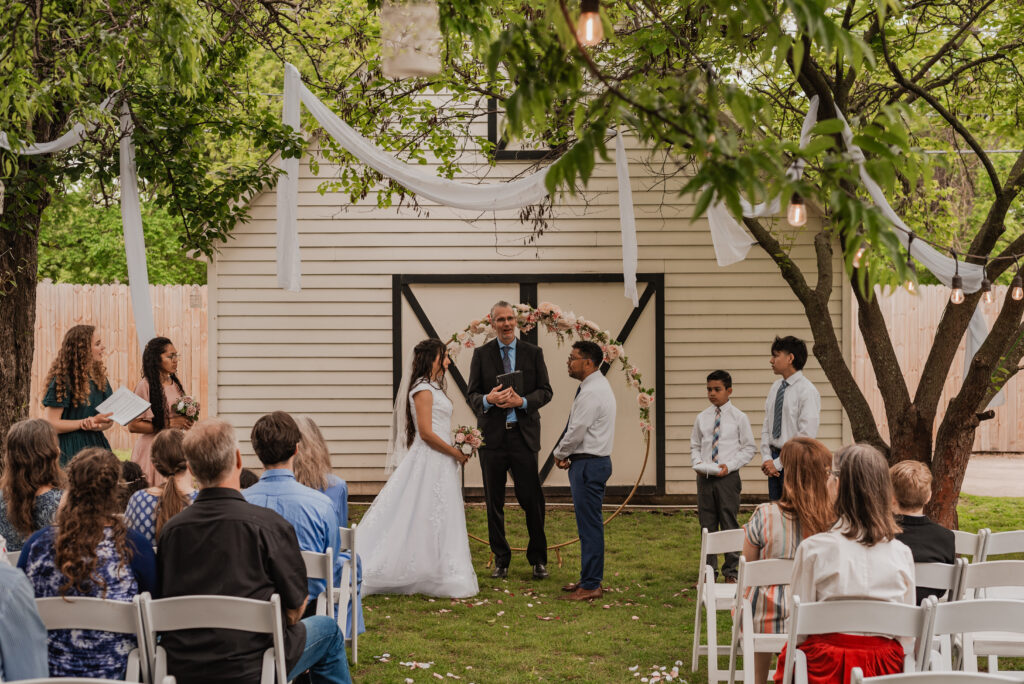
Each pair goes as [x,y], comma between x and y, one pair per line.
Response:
[516,631]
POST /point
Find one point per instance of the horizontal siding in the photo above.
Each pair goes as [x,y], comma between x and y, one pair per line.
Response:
[326,351]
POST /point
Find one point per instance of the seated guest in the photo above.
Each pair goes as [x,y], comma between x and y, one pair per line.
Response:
[777,527]
[149,509]
[275,438]
[313,467]
[22,634]
[248,478]
[229,530]
[132,480]
[31,481]
[859,558]
[89,552]
[929,542]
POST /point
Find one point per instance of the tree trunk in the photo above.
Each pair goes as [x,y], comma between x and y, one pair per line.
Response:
[952,451]
[19,235]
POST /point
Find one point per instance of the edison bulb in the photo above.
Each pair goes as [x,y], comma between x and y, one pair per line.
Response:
[588,29]
[911,286]
[1018,293]
[797,213]
[859,255]
[957,296]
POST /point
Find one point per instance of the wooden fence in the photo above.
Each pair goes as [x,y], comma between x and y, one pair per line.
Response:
[179,312]
[912,321]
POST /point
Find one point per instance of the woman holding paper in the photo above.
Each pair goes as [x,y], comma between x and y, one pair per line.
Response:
[159,368]
[75,386]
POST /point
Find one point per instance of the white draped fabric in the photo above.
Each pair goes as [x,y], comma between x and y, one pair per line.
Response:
[477,197]
[732,242]
[626,220]
[131,214]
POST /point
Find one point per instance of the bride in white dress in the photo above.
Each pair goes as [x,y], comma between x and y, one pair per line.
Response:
[413,539]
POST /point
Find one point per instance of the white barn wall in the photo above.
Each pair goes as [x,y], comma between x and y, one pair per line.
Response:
[327,350]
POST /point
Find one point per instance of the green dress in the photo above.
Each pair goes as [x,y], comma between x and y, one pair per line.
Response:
[73,442]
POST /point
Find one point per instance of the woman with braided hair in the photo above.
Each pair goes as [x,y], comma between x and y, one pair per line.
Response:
[75,386]
[159,368]
[148,509]
[89,552]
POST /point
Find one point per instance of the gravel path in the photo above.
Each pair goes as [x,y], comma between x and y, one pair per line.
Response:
[995,475]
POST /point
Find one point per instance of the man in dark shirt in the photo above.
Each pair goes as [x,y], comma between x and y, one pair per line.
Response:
[223,545]
[929,542]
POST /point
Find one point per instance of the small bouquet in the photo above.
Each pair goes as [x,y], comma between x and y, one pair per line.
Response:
[468,439]
[188,407]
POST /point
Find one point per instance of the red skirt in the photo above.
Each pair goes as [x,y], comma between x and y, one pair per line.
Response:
[830,657]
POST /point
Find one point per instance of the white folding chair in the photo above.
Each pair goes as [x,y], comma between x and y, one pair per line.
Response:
[970,544]
[105,615]
[12,557]
[986,627]
[1000,543]
[857,677]
[216,612]
[712,597]
[985,580]
[745,641]
[321,566]
[346,596]
[897,620]
[947,577]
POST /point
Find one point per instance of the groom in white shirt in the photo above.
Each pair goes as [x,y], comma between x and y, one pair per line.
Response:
[585,451]
[793,408]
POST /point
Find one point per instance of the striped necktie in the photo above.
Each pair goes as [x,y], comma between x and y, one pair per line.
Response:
[716,434]
[777,413]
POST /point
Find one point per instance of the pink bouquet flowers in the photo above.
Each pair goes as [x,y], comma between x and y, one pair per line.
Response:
[468,439]
[188,407]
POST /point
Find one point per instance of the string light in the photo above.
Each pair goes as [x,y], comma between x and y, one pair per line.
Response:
[859,254]
[1017,286]
[910,284]
[588,29]
[986,289]
[957,295]
[797,212]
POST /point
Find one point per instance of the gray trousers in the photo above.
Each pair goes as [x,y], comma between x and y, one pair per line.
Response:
[718,503]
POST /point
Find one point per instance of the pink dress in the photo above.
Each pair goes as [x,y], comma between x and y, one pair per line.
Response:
[140,453]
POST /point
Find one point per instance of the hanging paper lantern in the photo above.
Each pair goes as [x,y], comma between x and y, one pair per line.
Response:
[410,38]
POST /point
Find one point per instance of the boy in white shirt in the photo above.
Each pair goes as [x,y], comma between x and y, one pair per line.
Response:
[792,409]
[721,443]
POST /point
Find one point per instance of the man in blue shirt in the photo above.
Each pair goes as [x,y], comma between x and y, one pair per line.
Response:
[22,634]
[275,438]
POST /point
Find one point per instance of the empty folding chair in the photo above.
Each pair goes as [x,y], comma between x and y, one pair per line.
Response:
[711,598]
[946,577]
[103,615]
[982,579]
[857,677]
[745,641]
[216,612]
[320,566]
[970,544]
[346,596]
[987,627]
[1001,543]
[898,620]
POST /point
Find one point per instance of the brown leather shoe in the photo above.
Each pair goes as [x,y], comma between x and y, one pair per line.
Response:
[581,594]
[571,586]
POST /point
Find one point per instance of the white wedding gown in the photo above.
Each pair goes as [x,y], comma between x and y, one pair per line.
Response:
[413,539]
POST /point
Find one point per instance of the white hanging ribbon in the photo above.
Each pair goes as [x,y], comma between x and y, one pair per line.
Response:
[627,221]
[477,197]
[732,242]
[131,213]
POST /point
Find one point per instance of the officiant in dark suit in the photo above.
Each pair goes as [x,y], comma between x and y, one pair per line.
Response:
[510,422]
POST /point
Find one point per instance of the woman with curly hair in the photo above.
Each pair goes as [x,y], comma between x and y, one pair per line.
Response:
[75,386]
[159,368]
[89,552]
[776,529]
[148,509]
[30,487]
[313,467]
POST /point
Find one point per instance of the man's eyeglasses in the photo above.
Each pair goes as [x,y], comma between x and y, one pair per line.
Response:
[575,358]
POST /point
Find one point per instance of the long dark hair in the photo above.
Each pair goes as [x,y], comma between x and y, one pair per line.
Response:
[151,371]
[90,506]
[32,461]
[74,367]
[169,460]
[424,355]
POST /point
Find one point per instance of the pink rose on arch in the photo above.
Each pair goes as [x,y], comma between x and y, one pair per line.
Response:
[476,327]
[645,427]
[644,400]
[469,344]
[612,352]
[549,309]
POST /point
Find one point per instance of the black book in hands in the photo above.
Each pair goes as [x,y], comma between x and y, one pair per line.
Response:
[513,380]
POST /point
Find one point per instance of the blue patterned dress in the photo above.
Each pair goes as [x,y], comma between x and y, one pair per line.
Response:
[84,652]
[44,510]
[140,515]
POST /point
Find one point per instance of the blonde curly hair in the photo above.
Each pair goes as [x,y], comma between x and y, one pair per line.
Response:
[74,367]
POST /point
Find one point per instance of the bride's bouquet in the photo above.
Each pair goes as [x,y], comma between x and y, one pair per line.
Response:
[468,439]
[188,407]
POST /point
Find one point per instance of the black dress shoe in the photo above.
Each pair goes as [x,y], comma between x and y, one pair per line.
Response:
[540,572]
[499,572]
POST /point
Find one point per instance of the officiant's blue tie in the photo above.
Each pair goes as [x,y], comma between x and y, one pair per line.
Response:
[506,363]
